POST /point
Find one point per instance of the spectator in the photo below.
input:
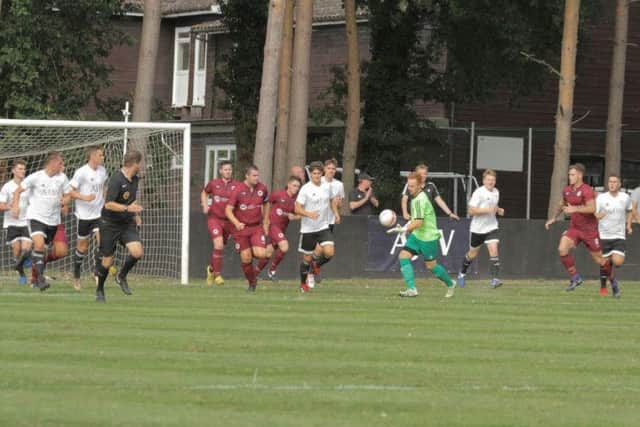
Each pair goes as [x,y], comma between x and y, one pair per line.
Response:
[362,201]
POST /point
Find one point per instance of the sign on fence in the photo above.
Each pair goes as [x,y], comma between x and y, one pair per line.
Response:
[383,249]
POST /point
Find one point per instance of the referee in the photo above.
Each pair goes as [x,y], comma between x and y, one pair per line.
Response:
[119,223]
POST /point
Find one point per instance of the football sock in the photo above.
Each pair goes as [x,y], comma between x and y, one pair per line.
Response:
[129,262]
[304,271]
[216,260]
[102,272]
[38,262]
[51,255]
[78,257]
[608,269]
[322,260]
[278,256]
[441,273]
[249,272]
[407,273]
[262,264]
[465,264]
[494,268]
[569,264]
[603,278]
[24,255]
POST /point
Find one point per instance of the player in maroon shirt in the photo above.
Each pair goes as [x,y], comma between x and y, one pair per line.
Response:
[282,205]
[578,200]
[218,190]
[250,219]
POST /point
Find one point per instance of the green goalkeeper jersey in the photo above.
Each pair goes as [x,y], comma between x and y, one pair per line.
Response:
[421,208]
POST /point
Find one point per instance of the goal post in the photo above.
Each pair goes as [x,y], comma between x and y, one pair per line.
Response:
[165,183]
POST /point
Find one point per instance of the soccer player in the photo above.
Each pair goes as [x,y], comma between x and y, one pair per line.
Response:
[578,200]
[88,190]
[48,194]
[336,186]
[119,222]
[218,225]
[250,217]
[17,230]
[613,210]
[316,240]
[483,207]
[431,190]
[424,240]
[282,205]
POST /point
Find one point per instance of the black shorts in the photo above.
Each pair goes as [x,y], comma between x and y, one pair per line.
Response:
[15,234]
[613,246]
[332,228]
[478,240]
[87,227]
[308,241]
[39,228]
[112,233]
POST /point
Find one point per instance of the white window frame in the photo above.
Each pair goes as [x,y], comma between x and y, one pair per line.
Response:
[215,148]
[199,76]
[176,44]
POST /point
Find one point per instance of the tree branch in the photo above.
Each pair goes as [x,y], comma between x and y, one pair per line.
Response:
[540,61]
[581,118]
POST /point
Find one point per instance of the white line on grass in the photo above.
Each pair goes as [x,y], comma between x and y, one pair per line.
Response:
[305,387]
[40,294]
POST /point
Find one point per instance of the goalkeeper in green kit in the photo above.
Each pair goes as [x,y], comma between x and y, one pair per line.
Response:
[423,240]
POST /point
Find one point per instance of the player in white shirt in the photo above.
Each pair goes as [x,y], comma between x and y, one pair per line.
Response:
[87,186]
[17,231]
[483,207]
[336,186]
[313,204]
[48,194]
[614,213]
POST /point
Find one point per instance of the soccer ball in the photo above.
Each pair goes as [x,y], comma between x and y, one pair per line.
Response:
[387,218]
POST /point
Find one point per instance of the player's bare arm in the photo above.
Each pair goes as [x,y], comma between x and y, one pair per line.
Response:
[204,201]
[630,222]
[76,195]
[228,211]
[308,214]
[482,211]
[558,210]
[445,208]
[119,207]
[266,221]
[403,204]
[335,208]
[15,204]
[588,208]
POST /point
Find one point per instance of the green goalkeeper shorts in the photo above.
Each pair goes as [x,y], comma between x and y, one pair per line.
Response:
[428,250]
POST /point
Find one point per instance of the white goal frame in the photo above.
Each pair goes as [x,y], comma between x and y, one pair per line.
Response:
[186,164]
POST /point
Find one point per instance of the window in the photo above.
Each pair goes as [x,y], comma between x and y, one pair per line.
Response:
[594,165]
[215,154]
[181,66]
[200,72]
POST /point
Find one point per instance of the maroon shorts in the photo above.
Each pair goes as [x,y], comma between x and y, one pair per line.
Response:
[61,235]
[251,236]
[219,228]
[590,238]
[276,235]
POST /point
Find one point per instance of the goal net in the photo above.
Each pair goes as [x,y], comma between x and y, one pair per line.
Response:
[163,194]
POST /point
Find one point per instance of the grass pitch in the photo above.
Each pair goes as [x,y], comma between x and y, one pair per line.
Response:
[349,354]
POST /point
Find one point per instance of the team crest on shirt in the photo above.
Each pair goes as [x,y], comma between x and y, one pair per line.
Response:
[215,231]
[280,235]
[243,207]
[125,195]
[260,193]
[579,193]
[279,212]
[216,199]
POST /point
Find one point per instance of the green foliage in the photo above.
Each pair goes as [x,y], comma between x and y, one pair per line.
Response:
[111,109]
[241,72]
[52,55]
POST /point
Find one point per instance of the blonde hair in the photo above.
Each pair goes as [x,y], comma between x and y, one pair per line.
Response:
[489,172]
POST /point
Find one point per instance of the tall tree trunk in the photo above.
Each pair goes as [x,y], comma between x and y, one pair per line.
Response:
[300,85]
[263,153]
[352,128]
[616,91]
[564,115]
[280,171]
[147,56]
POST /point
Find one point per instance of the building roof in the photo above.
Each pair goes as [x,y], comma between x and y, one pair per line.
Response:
[323,10]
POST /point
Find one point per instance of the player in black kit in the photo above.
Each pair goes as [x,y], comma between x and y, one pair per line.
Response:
[119,223]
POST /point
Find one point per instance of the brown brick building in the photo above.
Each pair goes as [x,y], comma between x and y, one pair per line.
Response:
[193,41]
